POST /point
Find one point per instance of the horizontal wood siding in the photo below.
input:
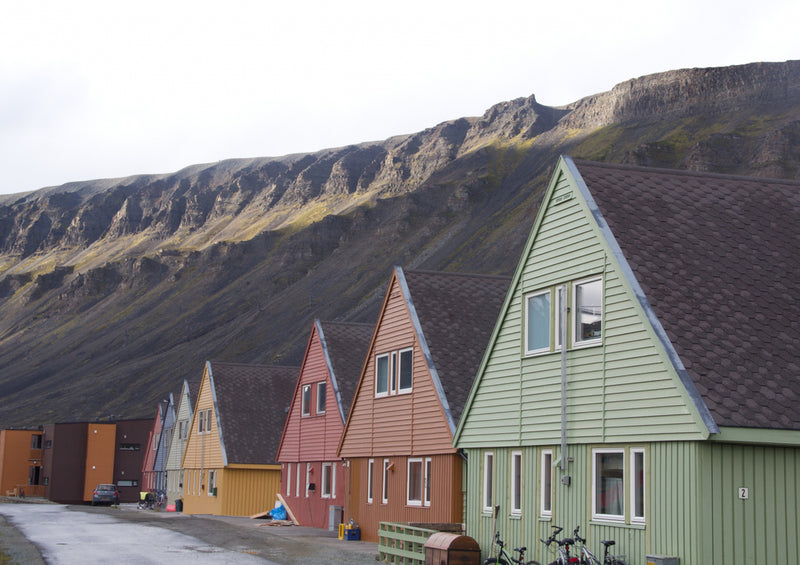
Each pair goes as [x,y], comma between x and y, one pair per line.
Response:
[400,424]
[244,492]
[446,494]
[177,448]
[203,451]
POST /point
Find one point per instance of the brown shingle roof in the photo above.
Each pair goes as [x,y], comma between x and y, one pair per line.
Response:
[346,346]
[251,401]
[718,260]
[457,314]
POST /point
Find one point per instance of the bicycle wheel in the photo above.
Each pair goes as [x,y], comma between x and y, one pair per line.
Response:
[496,560]
[532,563]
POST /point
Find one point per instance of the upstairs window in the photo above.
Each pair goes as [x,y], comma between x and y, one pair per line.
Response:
[382,375]
[305,402]
[321,398]
[588,317]
[36,441]
[537,330]
[394,372]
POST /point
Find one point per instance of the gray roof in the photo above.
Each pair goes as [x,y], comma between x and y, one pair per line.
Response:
[346,346]
[457,314]
[251,402]
[718,259]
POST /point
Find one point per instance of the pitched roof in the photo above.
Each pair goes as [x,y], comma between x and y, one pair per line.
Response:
[717,258]
[456,313]
[251,402]
[345,346]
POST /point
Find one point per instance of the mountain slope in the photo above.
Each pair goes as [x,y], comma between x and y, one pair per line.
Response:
[111,291]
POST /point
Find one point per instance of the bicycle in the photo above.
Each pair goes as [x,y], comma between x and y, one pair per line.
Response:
[564,558]
[589,558]
[504,558]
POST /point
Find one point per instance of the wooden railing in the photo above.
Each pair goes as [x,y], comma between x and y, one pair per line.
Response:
[401,543]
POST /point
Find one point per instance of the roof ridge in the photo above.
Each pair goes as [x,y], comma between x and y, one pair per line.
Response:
[455,274]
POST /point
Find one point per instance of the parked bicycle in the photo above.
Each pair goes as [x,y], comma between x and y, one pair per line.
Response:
[564,558]
[589,558]
[504,558]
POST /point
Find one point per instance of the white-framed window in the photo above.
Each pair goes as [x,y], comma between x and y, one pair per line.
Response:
[385,488]
[418,487]
[382,375]
[321,397]
[204,421]
[212,482]
[297,482]
[546,494]
[538,315]
[428,467]
[488,481]
[638,484]
[305,401]
[608,480]
[288,479]
[370,480]
[328,481]
[587,322]
[516,483]
[183,429]
[308,477]
[406,370]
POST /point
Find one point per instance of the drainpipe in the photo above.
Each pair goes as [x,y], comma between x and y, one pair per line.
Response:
[562,313]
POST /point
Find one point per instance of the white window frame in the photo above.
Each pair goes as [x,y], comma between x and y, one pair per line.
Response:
[305,401]
[427,484]
[327,473]
[516,483]
[527,298]
[370,480]
[595,514]
[393,374]
[546,477]
[308,477]
[297,482]
[321,395]
[201,423]
[414,501]
[633,453]
[378,358]
[488,481]
[560,289]
[288,479]
[577,341]
[212,481]
[385,486]
[400,388]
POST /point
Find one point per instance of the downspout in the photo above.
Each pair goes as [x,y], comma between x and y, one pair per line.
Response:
[562,316]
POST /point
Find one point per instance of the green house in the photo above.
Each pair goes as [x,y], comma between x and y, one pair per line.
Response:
[643,378]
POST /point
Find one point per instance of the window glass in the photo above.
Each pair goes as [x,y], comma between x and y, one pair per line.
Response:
[201,424]
[406,369]
[326,480]
[588,310]
[415,479]
[538,322]
[288,479]
[427,482]
[488,481]
[547,483]
[637,485]
[609,491]
[385,492]
[370,479]
[321,398]
[516,482]
[382,375]
[306,400]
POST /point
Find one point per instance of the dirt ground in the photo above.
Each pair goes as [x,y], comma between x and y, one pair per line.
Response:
[289,545]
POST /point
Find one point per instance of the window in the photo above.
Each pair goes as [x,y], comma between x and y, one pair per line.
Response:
[385,489]
[608,472]
[36,441]
[428,482]
[183,429]
[382,375]
[394,372]
[212,482]
[129,447]
[637,485]
[155,443]
[537,328]
[588,319]
[416,485]
[516,483]
[321,398]
[547,483]
[308,479]
[297,482]
[488,481]
[327,481]
[406,369]
[288,479]
[131,483]
[305,401]
[204,421]
[370,479]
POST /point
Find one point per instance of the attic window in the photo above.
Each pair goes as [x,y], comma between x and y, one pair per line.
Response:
[394,372]
[306,401]
[588,311]
[321,397]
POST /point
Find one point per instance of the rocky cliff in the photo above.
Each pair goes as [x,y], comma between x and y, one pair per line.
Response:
[112,291]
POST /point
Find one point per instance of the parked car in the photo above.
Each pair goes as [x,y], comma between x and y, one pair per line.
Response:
[105,494]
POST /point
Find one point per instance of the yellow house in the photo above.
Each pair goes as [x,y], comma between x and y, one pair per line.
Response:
[230,466]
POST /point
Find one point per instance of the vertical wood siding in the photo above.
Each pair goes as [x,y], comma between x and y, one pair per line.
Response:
[446,494]
[244,492]
[312,510]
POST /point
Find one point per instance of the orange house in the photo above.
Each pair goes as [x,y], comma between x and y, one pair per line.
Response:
[428,343]
[21,463]
[312,476]
[229,463]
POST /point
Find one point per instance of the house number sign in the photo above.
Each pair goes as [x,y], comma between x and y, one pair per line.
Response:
[744,493]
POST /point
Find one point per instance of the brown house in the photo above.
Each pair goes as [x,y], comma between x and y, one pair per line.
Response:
[229,464]
[21,463]
[312,476]
[76,457]
[430,336]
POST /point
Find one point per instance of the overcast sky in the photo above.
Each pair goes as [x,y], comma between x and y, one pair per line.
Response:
[108,89]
